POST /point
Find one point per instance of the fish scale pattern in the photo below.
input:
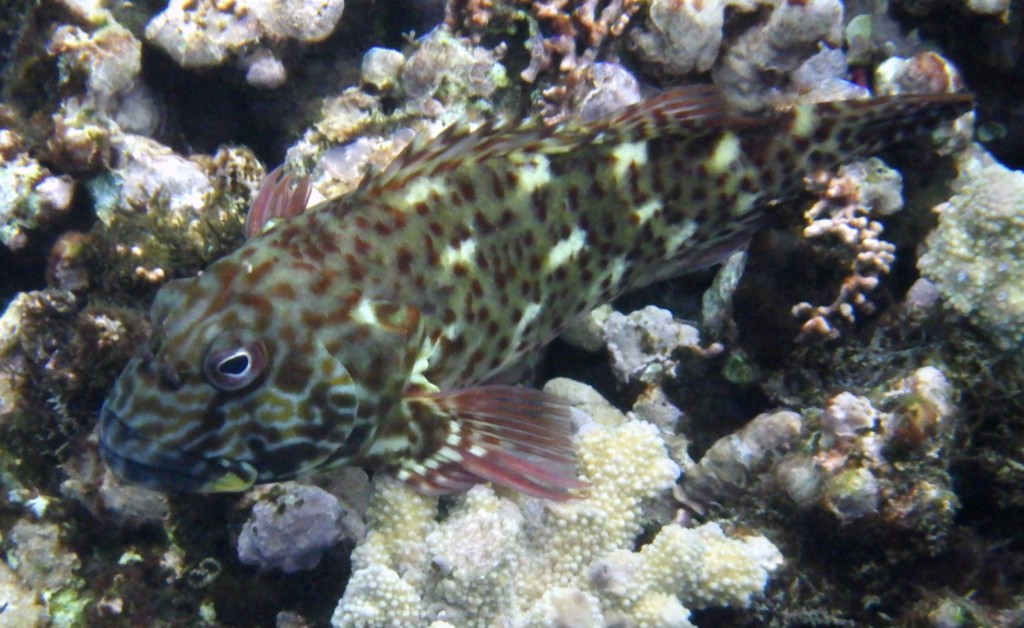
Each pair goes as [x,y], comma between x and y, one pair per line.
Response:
[364,330]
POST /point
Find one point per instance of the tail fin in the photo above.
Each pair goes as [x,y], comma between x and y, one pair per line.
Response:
[817,136]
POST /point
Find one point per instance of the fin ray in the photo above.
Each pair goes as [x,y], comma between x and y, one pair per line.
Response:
[281,196]
[513,437]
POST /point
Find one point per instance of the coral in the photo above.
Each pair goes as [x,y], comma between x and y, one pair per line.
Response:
[716,302]
[447,69]
[975,254]
[39,556]
[565,41]
[878,457]
[377,596]
[925,73]
[81,141]
[928,73]
[588,332]
[729,466]
[523,561]
[292,526]
[603,88]
[872,34]
[866,459]
[587,400]
[264,70]
[44,565]
[110,59]
[51,343]
[702,566]
[882,458]
[20,606]
[99,75]
[31,198]
[852,494]
[848,202]
[382,68]
[474,554]
[771,50]
[90,483]
[205,33]
[159,211]
[825,76]
[444,80]
[641,344]
[553,44]
[680,36]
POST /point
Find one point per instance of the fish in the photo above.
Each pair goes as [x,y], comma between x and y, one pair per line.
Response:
[370,329]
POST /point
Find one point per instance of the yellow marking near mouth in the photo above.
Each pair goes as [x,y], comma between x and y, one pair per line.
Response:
[230,482]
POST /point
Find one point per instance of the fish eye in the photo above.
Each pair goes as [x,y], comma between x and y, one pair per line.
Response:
[234,360]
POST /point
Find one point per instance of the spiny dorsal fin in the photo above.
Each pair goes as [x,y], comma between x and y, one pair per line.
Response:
[514,437]
[689,110]
[685,111]
[281,196]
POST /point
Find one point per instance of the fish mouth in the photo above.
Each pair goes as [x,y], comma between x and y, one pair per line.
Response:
[138,460]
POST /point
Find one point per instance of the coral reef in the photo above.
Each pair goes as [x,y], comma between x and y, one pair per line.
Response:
[641,344]
[524,561]
[773,49]
[850,201]
[682,37]
[31,197]
[205,33]
[732,463]
[882,462]
[973,256]
[879,459]
[443,79]
[109,61]
[292,526]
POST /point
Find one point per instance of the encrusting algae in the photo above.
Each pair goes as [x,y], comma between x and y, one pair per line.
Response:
[365,330]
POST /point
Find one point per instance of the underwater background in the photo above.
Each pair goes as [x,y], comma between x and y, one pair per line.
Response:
[827,429]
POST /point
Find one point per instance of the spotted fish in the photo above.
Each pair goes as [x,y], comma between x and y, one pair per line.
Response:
[367,330]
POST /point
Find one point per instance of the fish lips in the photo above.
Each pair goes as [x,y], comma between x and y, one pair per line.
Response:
[137,460]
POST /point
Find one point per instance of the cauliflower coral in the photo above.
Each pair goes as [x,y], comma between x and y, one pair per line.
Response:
[497,559]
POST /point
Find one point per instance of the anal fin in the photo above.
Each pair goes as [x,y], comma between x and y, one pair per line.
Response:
[514,437]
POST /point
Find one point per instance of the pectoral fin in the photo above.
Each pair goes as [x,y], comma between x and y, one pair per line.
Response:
[514,437]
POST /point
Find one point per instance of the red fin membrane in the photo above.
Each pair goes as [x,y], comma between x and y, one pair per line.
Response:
[683,110]
[281,196]
[514,437]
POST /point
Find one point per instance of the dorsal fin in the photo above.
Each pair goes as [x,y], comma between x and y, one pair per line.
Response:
[688,110]
[282,195]
[685,111]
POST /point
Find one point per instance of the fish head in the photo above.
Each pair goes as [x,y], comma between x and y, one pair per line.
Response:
[225,396]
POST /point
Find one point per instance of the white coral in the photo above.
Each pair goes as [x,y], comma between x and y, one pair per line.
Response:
[377,596]
[976,254]
[205,33]
[497,560]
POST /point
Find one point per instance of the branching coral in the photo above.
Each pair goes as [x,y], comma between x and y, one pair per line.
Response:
[844,213]
[567,40]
